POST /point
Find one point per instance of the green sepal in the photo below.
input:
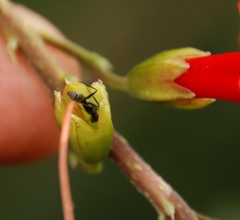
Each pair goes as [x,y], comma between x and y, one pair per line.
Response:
[90,141]
[153,79]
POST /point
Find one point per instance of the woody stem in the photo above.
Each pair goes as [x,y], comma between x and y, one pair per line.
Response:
[159,193]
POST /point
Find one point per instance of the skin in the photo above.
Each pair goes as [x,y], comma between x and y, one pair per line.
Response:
[27,125]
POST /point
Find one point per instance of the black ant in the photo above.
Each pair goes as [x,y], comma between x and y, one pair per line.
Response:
[89,107]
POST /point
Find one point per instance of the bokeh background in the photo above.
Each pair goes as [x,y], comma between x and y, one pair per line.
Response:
[197,152]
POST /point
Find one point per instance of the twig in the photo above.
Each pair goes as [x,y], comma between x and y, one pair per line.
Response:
[31,42]
[65,188]
[97,65]
[32,46]
[166,201]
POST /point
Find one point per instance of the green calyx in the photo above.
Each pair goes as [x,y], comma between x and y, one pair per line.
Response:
[153,79]
[90,139]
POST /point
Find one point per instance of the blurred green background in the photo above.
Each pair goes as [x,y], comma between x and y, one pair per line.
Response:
[197,152]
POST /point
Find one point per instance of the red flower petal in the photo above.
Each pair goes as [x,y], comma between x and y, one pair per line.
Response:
[214,76]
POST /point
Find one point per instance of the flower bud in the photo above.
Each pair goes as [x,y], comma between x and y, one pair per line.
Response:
[91,127]
[153,79]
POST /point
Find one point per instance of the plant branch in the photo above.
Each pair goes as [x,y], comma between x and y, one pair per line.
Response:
[31,42]
[22,36]
[97,65]
[166,201]
[65,188]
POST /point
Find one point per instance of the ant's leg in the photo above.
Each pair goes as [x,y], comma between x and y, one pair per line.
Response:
[96,101]
[89,86]
[91,94]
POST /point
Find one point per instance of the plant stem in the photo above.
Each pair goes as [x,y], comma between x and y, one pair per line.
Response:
[65,188]
[98,65]
[165,200]
[30,40]
[32,46]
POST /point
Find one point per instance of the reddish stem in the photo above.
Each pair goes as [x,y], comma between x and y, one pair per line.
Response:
[165,200]
[65,188]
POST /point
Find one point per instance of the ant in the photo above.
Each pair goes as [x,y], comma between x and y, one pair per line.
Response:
[89,107]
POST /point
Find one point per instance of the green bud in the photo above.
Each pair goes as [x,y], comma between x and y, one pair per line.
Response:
[153,79]
[90,139]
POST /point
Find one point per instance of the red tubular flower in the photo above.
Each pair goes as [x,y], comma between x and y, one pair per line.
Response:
[214,76]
